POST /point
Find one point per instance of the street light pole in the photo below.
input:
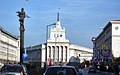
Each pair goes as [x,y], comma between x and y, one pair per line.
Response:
[94,46]
[47,38]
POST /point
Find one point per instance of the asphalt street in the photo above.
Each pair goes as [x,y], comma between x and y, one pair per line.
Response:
[85,72]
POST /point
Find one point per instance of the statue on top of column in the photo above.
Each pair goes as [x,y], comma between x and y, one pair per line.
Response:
[21,15]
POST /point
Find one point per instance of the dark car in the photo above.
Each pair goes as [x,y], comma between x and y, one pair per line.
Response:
[78,69]
[119,69]
[61,70]
[13,69]
[92,69]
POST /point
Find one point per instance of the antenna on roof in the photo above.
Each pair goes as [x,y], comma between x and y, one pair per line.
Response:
[58,19]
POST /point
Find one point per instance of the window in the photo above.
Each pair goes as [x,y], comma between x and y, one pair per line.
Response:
[60,35]
[57,35]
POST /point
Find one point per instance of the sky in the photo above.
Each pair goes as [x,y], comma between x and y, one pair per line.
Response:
[82,19]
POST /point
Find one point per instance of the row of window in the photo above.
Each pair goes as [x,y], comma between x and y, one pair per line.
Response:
[56,53]
[10,36]
[7,49]
[4,55]
[58,35]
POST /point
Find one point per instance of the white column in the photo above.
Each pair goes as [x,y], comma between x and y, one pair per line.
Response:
[64,53]
[51,52]
[47,53]
[59,53]
[68,54]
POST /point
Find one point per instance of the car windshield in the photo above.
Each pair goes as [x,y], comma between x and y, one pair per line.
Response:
[61,71]
[11,68]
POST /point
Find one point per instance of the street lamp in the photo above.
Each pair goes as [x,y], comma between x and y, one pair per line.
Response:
[94,46]
[47,30]
[47,38]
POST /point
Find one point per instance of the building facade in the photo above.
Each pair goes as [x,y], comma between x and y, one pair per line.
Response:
[58,49]
[9,47]
[107,43]
[82,52]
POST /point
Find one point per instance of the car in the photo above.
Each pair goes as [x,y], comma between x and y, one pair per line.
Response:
[78,69]
[92,69]
[13,69]
[61,70]
[119,69]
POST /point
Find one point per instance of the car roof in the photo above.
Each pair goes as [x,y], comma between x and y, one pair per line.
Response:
[61,67]
[13,65]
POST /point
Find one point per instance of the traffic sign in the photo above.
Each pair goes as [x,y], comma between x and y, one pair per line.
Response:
[25,57]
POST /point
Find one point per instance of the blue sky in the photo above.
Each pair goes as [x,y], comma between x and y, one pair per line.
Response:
[81,18]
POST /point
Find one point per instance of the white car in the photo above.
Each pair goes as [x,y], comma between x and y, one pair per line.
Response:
[13,69]
[61,70]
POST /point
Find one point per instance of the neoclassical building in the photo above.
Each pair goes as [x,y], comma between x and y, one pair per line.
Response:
[9,47]
[107,43]
[57,48]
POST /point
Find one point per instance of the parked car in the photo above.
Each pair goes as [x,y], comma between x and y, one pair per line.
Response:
[92,69]
[61,70]
[119,69]
[13,69]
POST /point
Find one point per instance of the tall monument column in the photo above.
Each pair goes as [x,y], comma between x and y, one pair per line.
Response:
[21,15]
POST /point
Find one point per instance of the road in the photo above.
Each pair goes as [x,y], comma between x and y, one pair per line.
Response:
[85,72]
